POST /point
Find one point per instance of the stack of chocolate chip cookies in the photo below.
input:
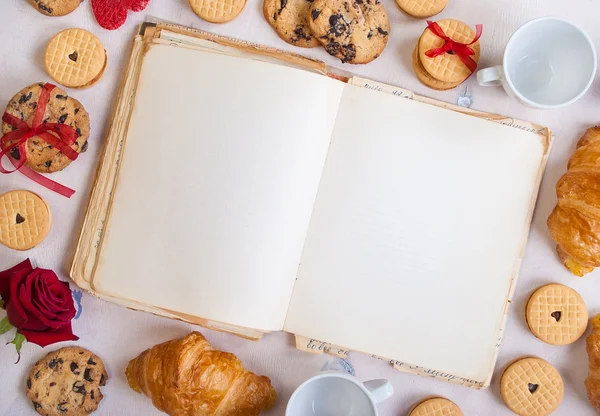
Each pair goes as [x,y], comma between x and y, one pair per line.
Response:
[355,31]
[446,70]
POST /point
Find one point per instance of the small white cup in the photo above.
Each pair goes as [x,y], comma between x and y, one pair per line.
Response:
[338,394]
[548,63]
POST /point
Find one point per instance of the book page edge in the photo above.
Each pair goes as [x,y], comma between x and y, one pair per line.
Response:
[246,333]
[314,346]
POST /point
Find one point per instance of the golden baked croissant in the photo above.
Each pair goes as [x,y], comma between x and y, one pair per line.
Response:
[592,382]
[575,221]
[187,377]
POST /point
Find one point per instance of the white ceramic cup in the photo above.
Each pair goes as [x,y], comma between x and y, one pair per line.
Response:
[338,394]
[548,63]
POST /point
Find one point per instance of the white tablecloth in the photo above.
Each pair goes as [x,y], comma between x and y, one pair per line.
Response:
[118,334]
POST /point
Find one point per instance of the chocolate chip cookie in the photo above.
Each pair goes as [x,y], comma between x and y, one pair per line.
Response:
[62,109]
[66,382]
[289,18]
[356,31]
[55,7]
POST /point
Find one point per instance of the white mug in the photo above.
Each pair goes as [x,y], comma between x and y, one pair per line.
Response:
[548,63]
[338,394]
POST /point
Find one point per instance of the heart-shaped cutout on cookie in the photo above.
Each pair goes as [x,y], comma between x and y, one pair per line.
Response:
[19,219]
[112,14]
[532,387]
[73,57]
[556,315]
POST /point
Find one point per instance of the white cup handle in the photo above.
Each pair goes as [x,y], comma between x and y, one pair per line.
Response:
[380,389]
[490,77]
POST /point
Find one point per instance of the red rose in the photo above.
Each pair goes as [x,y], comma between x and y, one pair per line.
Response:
[38,304]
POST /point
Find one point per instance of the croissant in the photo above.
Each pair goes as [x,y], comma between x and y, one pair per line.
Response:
[187,377]
[592,382]
[574,223]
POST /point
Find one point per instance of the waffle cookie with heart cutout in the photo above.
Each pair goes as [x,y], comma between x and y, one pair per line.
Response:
[25,220]
[75,58]
[531,386]
[556,314]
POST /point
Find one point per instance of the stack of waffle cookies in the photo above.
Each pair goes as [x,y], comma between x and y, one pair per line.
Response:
[445,71]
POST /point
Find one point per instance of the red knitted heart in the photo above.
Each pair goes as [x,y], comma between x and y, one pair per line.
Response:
[112,14]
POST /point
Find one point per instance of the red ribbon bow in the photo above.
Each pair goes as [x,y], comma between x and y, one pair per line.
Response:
[462,50]
[64,136]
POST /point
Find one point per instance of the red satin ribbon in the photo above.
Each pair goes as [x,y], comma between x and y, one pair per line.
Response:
[64,136]
[462,50]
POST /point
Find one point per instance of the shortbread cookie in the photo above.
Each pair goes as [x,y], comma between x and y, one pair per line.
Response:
[62,109]
[447,67]
[556,314]
[289,18]
[55,7]
[356,31]
[422,8]
[217,11]
[435,406]
[25,220]
[75,58]
[531,386]
[427,79]
[66,382]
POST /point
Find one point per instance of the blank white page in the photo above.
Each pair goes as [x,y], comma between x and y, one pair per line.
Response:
[417,230]
[219,175]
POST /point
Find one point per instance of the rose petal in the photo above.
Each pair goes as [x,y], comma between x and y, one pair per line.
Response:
[63,306]
[56,314]
[23,267]
[14,310]
[39,303]
[45,338]
[69,305]
[39,297]
[31,293]
[48,295]
[55,292]
[35,320]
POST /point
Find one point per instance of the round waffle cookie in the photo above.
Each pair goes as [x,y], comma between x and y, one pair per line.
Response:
[427,79]
[531,386]
[289,18]
[435,406]
[556,314]
[25,220]
[447,67]
[422,8]
[217,11]
[75,58]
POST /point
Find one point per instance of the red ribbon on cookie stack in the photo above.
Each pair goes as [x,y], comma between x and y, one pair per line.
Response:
[62,139]
[462,50]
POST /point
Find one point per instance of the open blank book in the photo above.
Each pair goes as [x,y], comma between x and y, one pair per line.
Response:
[269,197]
